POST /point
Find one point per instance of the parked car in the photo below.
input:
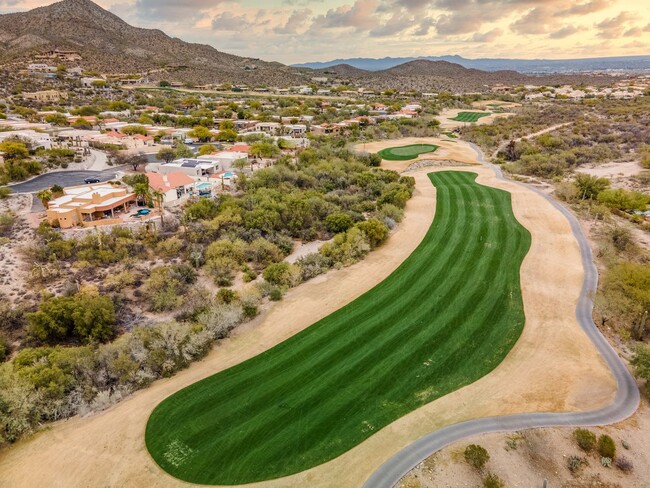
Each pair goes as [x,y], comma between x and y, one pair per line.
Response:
[92,179]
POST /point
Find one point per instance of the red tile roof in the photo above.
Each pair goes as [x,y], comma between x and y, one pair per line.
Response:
[169,181]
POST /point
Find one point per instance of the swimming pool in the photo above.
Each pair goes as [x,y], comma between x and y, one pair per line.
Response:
[204,186]
[228,174]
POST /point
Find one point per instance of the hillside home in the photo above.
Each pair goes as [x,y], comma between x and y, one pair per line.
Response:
[198,169]
[89,203]
[295,130]
[60,55]
[41,67]
[88,82]
[45,96]
[37,139]
[225,159]
[271,128]
[173,186]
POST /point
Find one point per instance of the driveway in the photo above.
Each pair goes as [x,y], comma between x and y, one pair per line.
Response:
[62,178]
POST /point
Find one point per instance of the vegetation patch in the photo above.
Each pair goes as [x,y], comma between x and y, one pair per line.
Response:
[469,116]
[406,153]
[446,317]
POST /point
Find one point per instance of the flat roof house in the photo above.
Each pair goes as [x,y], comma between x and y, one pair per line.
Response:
[199,169]
[89,203]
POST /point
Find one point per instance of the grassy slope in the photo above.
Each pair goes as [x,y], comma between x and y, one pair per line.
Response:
[469,116]
[405,153]
[446,317]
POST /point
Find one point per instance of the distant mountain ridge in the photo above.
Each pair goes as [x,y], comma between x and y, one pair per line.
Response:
[537,66]
[426,75]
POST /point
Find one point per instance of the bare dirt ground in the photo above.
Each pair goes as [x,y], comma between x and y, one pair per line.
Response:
[12,269]
[553,367]
[612,170]
[527,458]
[485,104]
[450,113]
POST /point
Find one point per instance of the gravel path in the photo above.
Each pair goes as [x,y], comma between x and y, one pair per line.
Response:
[625,404]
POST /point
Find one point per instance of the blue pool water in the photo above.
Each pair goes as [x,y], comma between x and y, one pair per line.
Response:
[203,186]
[228,174]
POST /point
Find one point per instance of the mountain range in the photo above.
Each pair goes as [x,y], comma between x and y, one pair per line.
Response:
[534,66]
[107,44]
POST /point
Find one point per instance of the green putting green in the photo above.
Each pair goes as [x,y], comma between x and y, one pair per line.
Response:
[469,116]
[404,153]
[445,318]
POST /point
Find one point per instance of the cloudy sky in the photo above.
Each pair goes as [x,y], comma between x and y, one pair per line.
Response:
[294,31]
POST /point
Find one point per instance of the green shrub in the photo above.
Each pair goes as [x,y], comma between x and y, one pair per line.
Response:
[5,348]
[85,315]
[338,222]
[586,439]
[491,480]
[477,456]
[5,192]
[574,463]
[275,294]
[277,273]
[225,295]
[606,446]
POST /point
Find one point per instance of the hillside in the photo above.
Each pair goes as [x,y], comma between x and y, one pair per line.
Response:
[344,71]
[109,44]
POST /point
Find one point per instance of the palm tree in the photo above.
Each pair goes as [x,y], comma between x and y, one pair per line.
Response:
[142,192]
[159,198]
[44,196]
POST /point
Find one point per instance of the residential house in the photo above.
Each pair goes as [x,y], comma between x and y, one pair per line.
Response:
[37,139]
[271,128]
[45,96]
[42,67]
[89,203]
[173,186]
[225,159]
[198,169]
[295,130]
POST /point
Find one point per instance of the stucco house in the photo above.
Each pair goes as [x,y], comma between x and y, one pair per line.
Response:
[89,203]
[174,186]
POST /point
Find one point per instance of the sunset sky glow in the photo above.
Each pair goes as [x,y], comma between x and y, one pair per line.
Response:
[292,31]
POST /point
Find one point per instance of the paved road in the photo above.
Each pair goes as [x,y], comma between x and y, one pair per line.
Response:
[63,178]
[624,405]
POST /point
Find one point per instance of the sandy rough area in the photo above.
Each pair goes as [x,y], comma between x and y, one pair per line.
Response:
[553,367]
[503,105]
[527,458]
[612,170]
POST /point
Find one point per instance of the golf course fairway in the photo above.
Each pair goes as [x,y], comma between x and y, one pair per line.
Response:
[446,317]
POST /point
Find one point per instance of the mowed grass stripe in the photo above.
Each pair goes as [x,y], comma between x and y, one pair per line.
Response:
[470,116]
[447,316]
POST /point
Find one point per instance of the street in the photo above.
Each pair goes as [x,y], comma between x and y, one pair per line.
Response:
[62,178]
